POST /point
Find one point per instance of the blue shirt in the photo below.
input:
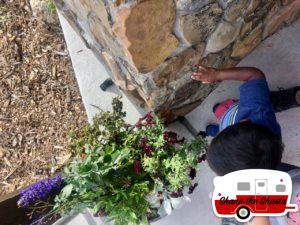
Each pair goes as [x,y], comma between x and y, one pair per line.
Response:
[255,104]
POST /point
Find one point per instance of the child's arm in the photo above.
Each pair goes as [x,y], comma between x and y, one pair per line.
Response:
[211,75]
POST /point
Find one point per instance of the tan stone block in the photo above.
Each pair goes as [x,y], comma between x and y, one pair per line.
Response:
[185,91]
[253,6]
[119,78]
[286,14]
[100,10]
[242,47]
[171,114]
[146,33]
[195,93]
[116,72]
[229,63]
[197,26]
[246,27]
[219,60]
[82,8]
[102,35]
[225,34]
[190,5]
[96,26]
[286,2]
[273,10]
[175,66]
[119,2]
[236,9]
[264,9]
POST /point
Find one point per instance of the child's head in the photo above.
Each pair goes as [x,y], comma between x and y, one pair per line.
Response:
[244,145]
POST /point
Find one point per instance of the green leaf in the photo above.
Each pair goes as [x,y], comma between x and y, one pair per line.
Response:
[97,207]
[66,191]
[132,214]
[107,159]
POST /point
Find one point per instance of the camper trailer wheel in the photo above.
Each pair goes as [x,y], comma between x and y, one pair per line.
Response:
[243,213]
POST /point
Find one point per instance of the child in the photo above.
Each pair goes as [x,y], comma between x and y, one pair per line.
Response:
[250,136]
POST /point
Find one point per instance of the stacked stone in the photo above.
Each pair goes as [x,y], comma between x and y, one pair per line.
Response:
[150,46]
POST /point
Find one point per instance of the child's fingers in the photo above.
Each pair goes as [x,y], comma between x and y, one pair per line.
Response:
[200,78]
[199,73]
[196,77]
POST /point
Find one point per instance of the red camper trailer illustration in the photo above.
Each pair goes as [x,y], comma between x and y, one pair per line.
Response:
[255,192]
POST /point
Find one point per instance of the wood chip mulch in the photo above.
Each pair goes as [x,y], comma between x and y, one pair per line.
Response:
[39,97]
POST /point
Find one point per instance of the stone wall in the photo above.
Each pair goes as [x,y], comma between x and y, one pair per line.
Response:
[150,46]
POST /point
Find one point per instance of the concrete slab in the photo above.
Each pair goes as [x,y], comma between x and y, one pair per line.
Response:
[277,57]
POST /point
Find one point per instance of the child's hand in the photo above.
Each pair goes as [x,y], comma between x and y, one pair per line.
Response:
[206,75]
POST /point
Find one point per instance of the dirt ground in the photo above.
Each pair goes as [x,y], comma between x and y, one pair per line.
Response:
[39,97]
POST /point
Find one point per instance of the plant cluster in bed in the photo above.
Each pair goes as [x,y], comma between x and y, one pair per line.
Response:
[129,174]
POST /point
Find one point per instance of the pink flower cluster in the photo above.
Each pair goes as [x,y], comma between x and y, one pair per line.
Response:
[145,121]
[170,137]
[145,146]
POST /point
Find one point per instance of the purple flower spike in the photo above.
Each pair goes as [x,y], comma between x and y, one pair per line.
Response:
[39,191]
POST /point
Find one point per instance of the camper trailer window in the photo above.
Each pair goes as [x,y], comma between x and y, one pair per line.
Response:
[243,186]
[261,184]
[280,188]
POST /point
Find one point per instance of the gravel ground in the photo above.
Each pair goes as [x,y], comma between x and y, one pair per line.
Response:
[39,97]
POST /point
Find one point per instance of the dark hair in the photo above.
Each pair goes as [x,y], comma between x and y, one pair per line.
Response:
[244,145]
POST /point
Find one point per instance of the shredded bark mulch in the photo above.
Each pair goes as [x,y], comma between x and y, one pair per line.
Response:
[39,97]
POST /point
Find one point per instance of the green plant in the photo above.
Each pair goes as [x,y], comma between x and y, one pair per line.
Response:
[126,172]
[51,6]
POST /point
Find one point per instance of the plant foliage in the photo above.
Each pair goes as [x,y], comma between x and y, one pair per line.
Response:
[118,167]
[51,6]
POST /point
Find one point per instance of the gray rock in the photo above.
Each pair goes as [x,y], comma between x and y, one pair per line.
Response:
[197,26]
[191,5]
[225,34]
[236,9]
